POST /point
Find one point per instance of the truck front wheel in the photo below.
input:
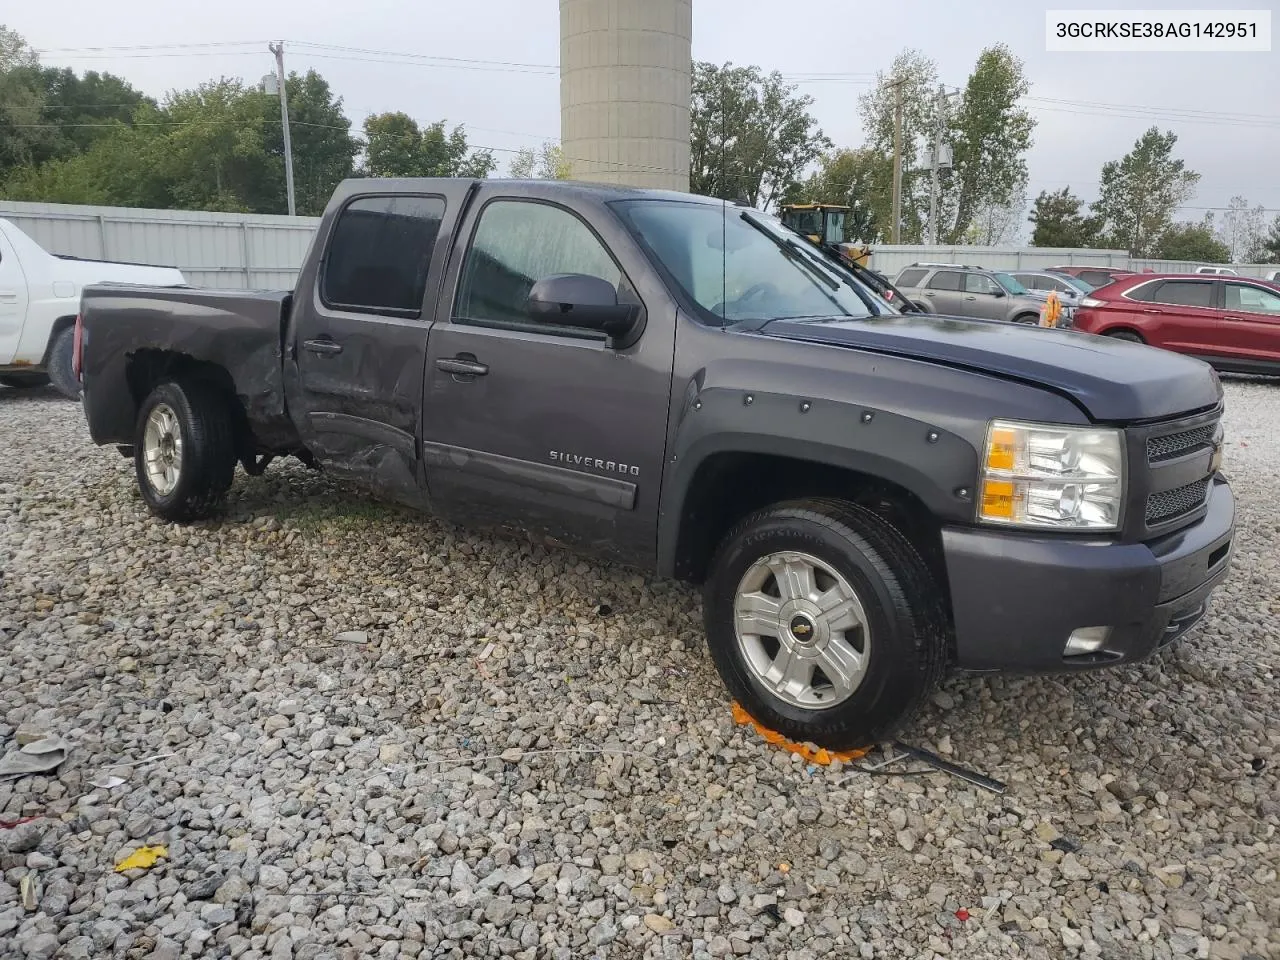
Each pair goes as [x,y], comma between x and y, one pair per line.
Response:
[824,622]
[184,450]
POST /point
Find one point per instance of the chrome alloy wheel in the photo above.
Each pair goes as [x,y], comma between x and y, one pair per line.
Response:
[802,630]
[162,449]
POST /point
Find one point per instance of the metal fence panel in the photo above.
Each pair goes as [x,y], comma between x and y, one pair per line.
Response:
[227,250]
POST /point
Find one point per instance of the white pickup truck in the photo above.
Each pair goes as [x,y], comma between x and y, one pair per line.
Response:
[39,299]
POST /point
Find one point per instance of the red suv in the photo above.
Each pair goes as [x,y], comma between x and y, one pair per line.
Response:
[1232,322]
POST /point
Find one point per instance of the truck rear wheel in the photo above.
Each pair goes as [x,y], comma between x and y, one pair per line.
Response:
[824,622]
[184,450]
[61,373]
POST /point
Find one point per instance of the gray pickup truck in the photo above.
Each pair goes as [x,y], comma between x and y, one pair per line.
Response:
[867,497]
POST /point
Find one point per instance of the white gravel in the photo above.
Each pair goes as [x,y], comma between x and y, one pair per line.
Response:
[311,669]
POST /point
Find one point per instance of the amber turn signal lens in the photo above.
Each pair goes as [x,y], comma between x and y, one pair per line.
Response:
[1000,449]
[997,499]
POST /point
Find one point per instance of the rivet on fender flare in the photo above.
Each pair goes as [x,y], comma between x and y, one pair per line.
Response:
[804,407]
[866,416]
[933,436]
[748,399]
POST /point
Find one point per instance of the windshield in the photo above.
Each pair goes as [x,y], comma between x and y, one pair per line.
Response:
[1077,283]
[1010,285]
[738,265]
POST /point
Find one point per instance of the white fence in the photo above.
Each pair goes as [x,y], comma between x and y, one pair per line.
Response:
[256,251]
[263,251]
[890,259]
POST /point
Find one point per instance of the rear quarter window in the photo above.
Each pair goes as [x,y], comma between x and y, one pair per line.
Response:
[910,278]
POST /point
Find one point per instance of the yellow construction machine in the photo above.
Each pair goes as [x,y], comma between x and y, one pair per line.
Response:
[822,224]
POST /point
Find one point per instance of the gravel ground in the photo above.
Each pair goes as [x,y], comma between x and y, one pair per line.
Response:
[383,737]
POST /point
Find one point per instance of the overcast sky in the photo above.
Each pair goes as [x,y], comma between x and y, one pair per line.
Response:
[509,107]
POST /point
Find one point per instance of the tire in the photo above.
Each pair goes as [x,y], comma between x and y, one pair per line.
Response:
[61,374]
[897,618]
[1126,335]
[24,381]
[201,465]
[1028,318]
[924,306]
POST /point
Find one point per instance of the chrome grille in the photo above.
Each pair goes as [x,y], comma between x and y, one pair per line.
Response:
[1176,444]
[1169,504]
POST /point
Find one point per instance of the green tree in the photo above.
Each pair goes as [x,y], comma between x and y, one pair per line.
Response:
[751,134]
[215,150]
[1192,241]
[395,146]
[1058,222]
[546,163]
[21,135]
[1269,249]
[81,110]
[1242,231]
[990,135]
[124,167]
[913,78]
[324,151]
[1141,192]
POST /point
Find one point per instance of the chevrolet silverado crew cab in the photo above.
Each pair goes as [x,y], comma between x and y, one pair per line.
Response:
[866,497]
[39,298]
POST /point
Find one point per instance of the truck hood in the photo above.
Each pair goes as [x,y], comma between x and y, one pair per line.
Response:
[1111,379]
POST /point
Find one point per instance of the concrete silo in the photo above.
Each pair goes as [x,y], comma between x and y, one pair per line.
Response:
[625,68]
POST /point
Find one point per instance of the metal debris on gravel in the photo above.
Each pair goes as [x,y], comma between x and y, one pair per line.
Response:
[314,668]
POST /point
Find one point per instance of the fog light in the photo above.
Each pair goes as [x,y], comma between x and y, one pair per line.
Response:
[1086,640]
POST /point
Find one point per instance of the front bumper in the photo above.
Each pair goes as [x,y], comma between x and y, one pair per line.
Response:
[1016,598]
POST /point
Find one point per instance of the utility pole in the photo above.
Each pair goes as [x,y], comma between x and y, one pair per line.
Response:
[933,164]
[896,232]
[278,50]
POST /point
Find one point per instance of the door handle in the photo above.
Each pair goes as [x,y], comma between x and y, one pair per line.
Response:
[928,293]
[323,347]
[971,297]
[9,296]
[1149,310]
[461,366]
[1234,319]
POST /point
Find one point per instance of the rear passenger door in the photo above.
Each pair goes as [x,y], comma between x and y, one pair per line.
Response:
[359,334]
[943,292]
[1251,320]
[537,427]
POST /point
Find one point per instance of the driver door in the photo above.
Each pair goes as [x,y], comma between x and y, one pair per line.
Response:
[535,427]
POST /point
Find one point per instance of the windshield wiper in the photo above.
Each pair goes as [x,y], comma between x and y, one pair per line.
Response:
[793,252]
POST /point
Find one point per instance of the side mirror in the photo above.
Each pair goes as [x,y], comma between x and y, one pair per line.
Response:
[998,292]
[579,300]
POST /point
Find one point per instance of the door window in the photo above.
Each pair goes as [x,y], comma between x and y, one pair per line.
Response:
[379,254]
[1185,293]
[516,244]
[1249,299]
[977,283]
[946,280]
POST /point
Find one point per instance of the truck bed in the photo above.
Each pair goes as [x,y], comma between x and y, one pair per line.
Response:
[128,329]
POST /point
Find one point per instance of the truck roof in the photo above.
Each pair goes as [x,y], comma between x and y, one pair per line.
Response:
[607,191]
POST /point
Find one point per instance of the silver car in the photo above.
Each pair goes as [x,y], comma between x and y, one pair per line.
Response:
[963,291]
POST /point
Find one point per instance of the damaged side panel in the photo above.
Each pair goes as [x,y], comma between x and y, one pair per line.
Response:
[136,336]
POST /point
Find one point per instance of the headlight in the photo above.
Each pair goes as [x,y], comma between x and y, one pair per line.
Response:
[1092,302]
[1039,475]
